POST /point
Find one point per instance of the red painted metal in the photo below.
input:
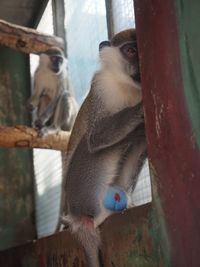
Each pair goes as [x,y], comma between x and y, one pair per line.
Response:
[171,141]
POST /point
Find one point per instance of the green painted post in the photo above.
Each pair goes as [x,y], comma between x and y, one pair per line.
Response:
[169,40]
[16,171]
[189,34]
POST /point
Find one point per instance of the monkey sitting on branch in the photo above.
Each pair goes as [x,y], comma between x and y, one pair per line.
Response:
[107,147]
[52,103]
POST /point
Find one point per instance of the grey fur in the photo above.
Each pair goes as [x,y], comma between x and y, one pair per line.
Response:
[107,147]
[52,102]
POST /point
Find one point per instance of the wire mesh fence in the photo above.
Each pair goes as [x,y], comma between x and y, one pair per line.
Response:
[123,18]
[47,163]
[123,15]
[86,27]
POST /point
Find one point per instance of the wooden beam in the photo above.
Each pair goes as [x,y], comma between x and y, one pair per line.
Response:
[58,9]
[168,42]
[126,241]
[109,18]
[22,136]
[27,40]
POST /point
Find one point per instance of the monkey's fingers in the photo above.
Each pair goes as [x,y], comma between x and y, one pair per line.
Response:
[38,124]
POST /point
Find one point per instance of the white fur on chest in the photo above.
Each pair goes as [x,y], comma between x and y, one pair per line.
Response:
[117,91]
[114,85]
[48,80]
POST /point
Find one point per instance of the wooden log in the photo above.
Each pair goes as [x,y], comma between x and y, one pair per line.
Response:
[27,40]
[127,241]
[22,136]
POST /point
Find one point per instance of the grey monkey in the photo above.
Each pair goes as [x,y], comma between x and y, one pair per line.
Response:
[52,102]
[107,147]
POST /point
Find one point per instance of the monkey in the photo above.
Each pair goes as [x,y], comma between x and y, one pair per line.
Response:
[52,102]
[107,147]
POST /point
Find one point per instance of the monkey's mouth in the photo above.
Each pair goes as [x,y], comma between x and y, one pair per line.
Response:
[136,77]
[55,69]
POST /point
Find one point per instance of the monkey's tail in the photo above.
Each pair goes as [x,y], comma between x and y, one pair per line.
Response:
[88,235]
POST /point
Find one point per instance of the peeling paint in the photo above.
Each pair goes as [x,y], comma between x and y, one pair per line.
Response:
[158,114]
[16,184]
[126,243]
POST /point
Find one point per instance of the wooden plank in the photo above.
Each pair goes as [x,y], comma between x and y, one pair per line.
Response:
[126,243]
[25,39]
[23,136]
[173,152]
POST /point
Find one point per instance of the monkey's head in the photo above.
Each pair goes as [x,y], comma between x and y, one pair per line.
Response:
[125,45]
[53,58]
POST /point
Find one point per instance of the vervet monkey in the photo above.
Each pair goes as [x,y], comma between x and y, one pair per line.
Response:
[107,146]
[52,102]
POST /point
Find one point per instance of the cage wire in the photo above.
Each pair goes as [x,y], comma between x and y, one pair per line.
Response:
[123,18]
[86,27]
[123,15]
[47,163]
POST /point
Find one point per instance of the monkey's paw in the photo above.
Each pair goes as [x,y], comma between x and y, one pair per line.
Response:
[43,132]
[38,124]
[115,199]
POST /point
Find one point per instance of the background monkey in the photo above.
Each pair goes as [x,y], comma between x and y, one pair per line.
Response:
[52,103]
[107,146]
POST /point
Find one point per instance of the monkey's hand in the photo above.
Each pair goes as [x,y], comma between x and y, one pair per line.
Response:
[38,124]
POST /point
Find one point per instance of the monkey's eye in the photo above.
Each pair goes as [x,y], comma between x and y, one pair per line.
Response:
[129,50]
[56,59]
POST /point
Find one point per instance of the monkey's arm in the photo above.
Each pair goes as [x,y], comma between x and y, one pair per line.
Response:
[110,130]
[34,100]
[48,112]
[64,113]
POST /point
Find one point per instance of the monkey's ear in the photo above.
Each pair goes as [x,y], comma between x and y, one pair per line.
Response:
[104,44]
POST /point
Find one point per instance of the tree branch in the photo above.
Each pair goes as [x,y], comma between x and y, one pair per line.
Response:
[27,40]
[22,136]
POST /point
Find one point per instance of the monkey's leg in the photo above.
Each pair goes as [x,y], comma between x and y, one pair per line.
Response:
[133,160]
[110,130]
[47,113]
[62,112]
[34,100]
[60,116]
[42,106]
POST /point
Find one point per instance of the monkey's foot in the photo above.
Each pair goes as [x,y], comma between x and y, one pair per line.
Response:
[115,199]
[42,132]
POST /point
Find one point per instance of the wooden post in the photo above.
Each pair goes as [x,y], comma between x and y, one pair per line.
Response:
[168,38]
[25,39]
[58,9]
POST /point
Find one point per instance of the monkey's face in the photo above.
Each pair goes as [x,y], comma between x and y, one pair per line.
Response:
[126,43]
[53,59]
[55,63]
[125,55]
[130,54]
